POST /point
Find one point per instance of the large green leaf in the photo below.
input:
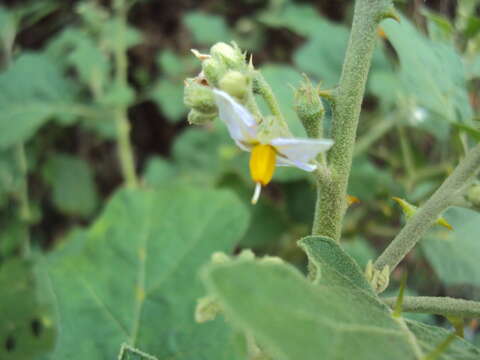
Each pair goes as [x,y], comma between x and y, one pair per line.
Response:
[453,254]
[32,90]
[337,317]
[131,277]
[168,95]
[432,73]
[26,324]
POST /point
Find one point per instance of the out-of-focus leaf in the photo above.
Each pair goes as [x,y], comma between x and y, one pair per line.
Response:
[132,276]
[439,27]
[114,31]
[288,14]
[26,324]
[300,201]
[367,181]
[453,254]
[281,79]
[159,172]
[432,75]
[207,29]
[174,66]
[473,132]
[360,250]
[168,96]
[74,190]
[32,90]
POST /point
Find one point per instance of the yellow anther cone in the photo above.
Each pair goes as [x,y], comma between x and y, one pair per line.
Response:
[262,166]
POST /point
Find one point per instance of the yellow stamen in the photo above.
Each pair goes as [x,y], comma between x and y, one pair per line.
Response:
[262,166]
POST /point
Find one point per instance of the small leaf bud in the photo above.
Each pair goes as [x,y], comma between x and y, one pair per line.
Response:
[235,83]
[309,108]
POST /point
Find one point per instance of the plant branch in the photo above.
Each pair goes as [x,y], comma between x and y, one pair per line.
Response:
[263,88]
[124,146]
[427,214]
[331,204]
[445,306]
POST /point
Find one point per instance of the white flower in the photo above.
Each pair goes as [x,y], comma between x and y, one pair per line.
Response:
[280,151]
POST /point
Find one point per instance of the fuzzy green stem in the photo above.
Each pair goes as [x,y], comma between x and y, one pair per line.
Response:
[263,88]
[124,146]
[426,215]
[331,203]
[444,306]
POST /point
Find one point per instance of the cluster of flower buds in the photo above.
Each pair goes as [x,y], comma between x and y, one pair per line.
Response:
[224,68]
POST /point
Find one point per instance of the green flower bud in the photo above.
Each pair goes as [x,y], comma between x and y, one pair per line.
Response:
[213,70]
[199,97]
[309,108]
[235,83]
[198,118]
[231,56]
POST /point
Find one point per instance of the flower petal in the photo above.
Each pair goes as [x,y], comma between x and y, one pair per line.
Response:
[300,151]
[240,123]
[298,164]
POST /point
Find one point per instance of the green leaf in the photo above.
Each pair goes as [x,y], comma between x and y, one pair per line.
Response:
[131,277]
[32,90]
[74,190]
[26,324]
[114,31]
[129,353]
[360,250]
[293,319]
[453,254]
[168,95]
[333,265]
[159,172]
[439,27]
[432,75]
[430,336]
[207,29]
[171,64]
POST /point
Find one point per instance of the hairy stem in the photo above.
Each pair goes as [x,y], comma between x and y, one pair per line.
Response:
[263,88]
[445,306]
[331,203]
[426,215]
[124,145]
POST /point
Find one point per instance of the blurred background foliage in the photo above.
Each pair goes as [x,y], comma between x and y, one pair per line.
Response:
[58,158]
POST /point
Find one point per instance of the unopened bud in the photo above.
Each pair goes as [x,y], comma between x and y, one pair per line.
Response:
[199,97]
[309,108]
[198,118]
[235,83]
[231,56]
[213,70]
